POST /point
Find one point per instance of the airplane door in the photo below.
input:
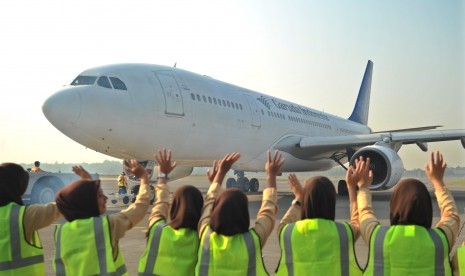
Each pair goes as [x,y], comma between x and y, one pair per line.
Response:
[173,97]
[254,110]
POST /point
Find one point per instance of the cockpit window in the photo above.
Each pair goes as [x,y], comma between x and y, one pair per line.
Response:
[104,82]
[118,84]
[84,80]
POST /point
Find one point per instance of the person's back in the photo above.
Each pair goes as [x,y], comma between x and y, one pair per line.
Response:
[21,249]
[227,245]
[410,246]
[310,240]
[172,245]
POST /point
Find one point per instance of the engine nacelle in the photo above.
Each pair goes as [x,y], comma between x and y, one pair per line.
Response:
[385,163]
[180,172]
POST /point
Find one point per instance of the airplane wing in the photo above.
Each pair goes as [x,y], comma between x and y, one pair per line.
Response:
[308,148]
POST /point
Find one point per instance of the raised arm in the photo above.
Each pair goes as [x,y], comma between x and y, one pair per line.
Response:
[161,207]
[128,218]
[294,213]
[267,213]
[364,177]
[79,170]
[216,176]
[361,173]
[450,219]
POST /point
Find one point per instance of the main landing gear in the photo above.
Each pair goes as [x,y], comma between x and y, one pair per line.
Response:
[243,183]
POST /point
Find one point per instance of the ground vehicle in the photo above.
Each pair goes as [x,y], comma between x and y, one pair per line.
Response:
[43,186]
[131,196]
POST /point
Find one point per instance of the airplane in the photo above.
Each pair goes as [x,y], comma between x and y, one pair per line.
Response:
[130,110]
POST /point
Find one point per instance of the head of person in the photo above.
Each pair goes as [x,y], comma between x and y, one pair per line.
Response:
[186,208]
[13,183]
[318,199]
[81,199]
[411,204]
[230,213]
[37,163]
[123,173]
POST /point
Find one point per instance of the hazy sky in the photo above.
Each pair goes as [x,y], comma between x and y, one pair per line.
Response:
[310,52]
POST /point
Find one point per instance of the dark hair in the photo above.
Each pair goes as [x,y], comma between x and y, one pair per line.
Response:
[79,200]
[13,183]
[186,208]
[230,213]
[37,163]
[411,204]
[318,199]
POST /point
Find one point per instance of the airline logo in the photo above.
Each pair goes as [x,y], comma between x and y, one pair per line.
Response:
[267,102]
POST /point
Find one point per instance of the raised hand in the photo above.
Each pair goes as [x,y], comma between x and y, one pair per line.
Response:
[273,165]
[225,165]
[295,186]
[135,168]
[211,173]
[163,158]
[361,175]
[79,170]
[435,170]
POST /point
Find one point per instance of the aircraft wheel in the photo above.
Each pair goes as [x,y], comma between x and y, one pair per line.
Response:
[231,182]
[125,199]
[134,191]
[254,185]
[342,188]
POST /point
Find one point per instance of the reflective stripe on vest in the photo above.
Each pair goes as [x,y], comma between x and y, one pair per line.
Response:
[15,244]
[99,234]
[343,245]
[249,243]
[461,260]
[153,252]
[379,251]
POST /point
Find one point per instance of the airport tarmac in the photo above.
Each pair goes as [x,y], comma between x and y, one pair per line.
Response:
[133,244]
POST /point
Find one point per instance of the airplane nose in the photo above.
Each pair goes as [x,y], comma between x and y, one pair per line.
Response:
[62,108]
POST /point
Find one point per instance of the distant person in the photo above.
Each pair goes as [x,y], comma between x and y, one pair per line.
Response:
[410,246]
[21,250]
[311,240]
[122,184]
[227,245]
[173,240]
[36,167]
[87,244]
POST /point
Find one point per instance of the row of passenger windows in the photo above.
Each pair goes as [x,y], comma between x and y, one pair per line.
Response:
[103,81]
[297,119]
[215,101]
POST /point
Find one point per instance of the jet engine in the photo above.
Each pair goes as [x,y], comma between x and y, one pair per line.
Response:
[385,163]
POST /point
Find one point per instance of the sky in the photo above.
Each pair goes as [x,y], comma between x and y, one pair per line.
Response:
[310,52]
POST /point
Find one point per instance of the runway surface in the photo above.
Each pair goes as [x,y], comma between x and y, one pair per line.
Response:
[133,244]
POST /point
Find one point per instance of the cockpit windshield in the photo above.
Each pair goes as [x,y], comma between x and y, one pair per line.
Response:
[84,80]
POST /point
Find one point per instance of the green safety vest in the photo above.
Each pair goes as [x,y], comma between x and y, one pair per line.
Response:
[317,247]
[240,254]
[83,247]
[17,255]
[169,251]
[408,250]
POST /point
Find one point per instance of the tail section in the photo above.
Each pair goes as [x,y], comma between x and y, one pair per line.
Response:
[362,105]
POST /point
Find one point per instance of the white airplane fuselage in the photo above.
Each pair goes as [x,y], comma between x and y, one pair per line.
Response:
[199,118]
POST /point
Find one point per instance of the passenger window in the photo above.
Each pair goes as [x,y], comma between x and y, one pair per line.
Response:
[204,98]
[118,84]
[198,98]
[214,100]
[209,99]
[228,103]
[240,105]
[104,82]
[84,80]
[263,113]
[224,103]
[219,102]
[193,96]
